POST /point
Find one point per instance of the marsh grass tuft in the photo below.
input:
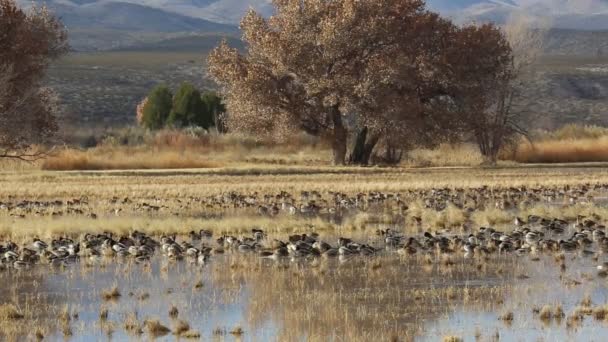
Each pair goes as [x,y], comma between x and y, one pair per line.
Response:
[103,314]
[10,312]
[64,315]
[180,327]
[219,331]
[237,331]
[111,294]
[548,312]
[132,325]
[507,317]
[173,312]
[39,334]
[191,334]
[155,328]
[601,313]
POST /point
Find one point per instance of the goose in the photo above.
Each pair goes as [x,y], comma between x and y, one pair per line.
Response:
[343,250]
[367,250]
[202,258]
[568,246]
[39,245]
[20,264]
[119,247]
[468,247]
[321,246]
[532,238]
[332,252]
[258,234]
[192,252]
[194,236]
[407,250]
[10,255]
[174,251]
[392,241]
[244,248]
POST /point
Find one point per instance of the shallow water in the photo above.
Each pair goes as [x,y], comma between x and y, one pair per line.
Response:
[421,298]
[385,297]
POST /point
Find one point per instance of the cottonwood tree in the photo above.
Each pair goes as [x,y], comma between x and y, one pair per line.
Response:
[318,65]
[491,95]
[381,69]
[29,41]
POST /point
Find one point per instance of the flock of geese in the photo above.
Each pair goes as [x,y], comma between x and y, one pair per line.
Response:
[534,234]
[307,203]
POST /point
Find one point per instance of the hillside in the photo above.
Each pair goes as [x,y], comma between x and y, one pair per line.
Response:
[576,42]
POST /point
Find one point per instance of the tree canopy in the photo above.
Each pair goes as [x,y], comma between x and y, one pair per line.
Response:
[333,68]
[28,42]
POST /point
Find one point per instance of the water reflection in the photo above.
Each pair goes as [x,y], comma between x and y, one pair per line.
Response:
[425,297]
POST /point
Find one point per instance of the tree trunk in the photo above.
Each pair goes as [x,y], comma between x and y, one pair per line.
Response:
[357,155]
[362,151]
[369,148]
[339,138]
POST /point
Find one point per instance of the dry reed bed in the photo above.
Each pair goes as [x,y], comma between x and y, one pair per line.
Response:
[562,151]
[125,160]
[133,148]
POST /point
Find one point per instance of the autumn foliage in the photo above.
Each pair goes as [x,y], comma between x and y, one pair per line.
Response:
[389,68]
[28,42]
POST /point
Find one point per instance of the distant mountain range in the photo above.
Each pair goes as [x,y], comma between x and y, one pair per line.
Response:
[103,24]
[571,14]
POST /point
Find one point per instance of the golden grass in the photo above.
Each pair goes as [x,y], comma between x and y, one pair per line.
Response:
[132,325]
[125,159]
[445,155]
[111,294]
[180,327]
[452,339]
[572,132]
[10,312]
[155,328]
[48,227]
[190,334]
[549,312]
[562,151]
[135,148]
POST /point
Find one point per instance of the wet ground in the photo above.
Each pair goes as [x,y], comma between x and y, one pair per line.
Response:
[387,297]
[428,296]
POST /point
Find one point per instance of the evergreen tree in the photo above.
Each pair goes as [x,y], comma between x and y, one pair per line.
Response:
[214,111]
[157,108]
[187,107]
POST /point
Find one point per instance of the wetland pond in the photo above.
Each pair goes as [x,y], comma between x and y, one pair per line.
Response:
[240,296]
[395,277]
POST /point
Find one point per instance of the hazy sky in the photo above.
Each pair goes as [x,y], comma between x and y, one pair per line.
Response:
[568,6]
